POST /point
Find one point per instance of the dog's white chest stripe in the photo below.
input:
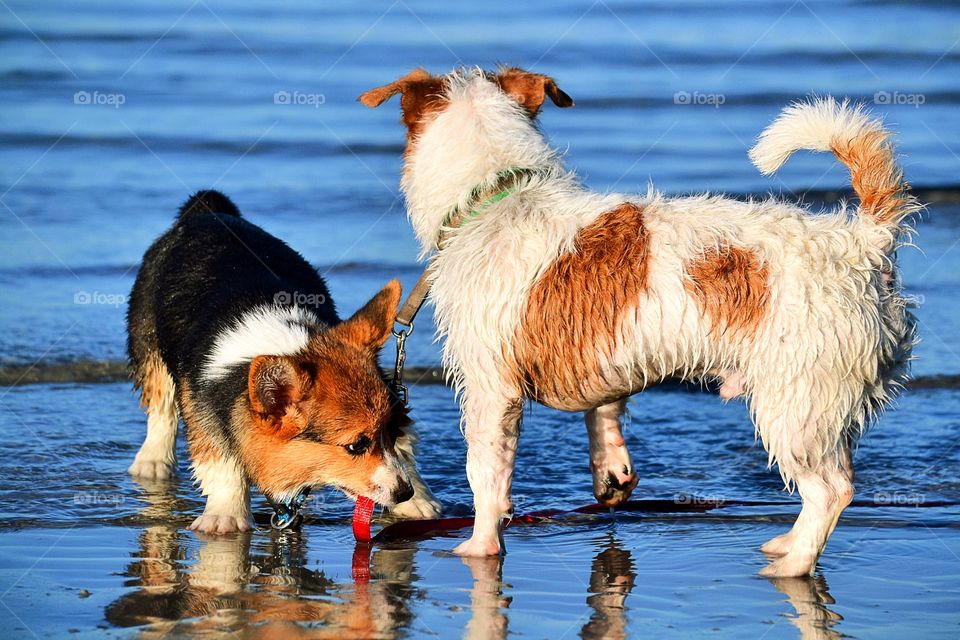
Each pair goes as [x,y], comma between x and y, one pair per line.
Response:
[265,330]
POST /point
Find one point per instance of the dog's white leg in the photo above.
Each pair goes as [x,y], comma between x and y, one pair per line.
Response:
[423,505]
[781,545]
[156,459]
[826,492]
[614,477]
[492,431]
[224,483]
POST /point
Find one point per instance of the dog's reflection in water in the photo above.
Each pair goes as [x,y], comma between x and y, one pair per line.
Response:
[488,605]
[269,591]
[809,598]
[266,591]
[612,577]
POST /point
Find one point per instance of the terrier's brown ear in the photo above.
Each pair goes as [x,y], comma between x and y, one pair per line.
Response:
[531,89]
[379,95]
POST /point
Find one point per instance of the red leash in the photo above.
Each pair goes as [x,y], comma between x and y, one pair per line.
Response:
[411,529]
[419,529]
[362,514]
[414,529]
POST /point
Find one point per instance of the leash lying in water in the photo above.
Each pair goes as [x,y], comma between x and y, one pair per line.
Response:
[681,504]
[418,529]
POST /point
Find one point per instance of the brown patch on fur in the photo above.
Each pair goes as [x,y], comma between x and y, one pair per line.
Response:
[730,285]
[531,89]
[154,381]
[203,444]
[574,311]
[421,96]
[875,176]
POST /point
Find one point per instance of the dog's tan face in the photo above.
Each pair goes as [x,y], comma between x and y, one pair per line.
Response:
[422,94]
[326,416]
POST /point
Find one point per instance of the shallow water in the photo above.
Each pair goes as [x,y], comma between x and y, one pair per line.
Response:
[84,189]
[85,547]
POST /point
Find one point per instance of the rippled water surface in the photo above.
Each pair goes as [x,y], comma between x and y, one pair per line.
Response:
[113,112]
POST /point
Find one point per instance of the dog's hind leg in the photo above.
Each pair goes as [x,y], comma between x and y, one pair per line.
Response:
[826,491]
[492,430]
[423,505]
[614,477]
[156,459]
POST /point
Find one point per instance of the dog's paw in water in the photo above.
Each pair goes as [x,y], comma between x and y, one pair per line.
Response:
[417,508]
[212,524]
[145,469]
[478,548]
[779,546]
[790,566]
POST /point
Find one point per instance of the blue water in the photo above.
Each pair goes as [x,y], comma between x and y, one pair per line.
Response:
[112,113]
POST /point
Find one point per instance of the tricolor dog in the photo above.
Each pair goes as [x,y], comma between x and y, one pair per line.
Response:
[232,330]
[547,291]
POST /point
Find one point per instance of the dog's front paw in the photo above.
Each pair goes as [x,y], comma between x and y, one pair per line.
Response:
[417,508]
[792,565]
[779,546]
[478,548]
[146,469]
[219,525]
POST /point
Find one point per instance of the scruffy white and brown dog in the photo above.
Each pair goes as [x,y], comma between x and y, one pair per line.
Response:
[547,291]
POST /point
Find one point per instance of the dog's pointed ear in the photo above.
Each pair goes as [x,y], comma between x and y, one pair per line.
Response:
[531,89]
[377,96]
[370,327]
[275,385]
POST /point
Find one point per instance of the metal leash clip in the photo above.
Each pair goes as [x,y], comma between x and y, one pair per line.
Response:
[287,514]
[397,383]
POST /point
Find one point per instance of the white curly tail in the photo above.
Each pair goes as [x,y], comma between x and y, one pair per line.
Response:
[858,140]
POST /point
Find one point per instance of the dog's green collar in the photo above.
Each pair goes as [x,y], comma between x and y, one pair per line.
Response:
[507,191]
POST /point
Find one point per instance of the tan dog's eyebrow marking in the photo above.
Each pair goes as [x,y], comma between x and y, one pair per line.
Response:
[730,286]
[574,312]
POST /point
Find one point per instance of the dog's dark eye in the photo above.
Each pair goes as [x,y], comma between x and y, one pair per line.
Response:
[359,447]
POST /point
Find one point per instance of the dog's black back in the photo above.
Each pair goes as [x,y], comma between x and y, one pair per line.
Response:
[206,271]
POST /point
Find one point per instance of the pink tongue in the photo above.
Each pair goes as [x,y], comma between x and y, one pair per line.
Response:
[362,514]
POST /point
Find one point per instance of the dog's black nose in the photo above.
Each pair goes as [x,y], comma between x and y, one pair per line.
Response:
[403,492]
